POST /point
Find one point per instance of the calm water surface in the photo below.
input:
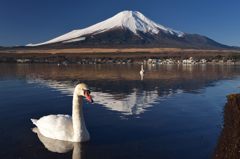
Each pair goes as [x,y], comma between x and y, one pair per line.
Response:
[174,112]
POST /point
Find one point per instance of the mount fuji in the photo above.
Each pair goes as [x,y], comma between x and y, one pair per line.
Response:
[130,29]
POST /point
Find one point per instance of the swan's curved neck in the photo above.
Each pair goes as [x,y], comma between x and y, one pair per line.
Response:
[79,128]
[76,151]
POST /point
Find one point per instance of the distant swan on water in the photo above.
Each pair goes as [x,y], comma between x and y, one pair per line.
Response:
[141,72]
[65,127]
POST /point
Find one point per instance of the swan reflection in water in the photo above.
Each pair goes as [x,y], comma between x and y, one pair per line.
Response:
[59,146]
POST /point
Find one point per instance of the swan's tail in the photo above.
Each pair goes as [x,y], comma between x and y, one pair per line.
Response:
[34,121]
[35,130]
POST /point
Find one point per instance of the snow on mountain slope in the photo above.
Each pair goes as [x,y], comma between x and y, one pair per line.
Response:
[131,20]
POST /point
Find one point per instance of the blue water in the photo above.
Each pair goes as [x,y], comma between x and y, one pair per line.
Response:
[174,112]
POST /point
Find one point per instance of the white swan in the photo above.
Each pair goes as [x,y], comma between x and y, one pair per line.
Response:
[141,72]
[65,127]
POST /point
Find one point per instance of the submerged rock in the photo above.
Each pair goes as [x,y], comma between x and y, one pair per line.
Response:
[229,142]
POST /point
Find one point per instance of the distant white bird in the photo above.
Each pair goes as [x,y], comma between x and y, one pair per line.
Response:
[65,127]
[141,72]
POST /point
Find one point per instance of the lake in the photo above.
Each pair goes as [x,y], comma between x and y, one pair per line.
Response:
[174,111]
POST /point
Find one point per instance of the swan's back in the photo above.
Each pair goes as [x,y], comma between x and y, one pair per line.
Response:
[56,127]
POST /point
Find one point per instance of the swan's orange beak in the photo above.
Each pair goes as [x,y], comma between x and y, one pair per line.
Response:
[88,96]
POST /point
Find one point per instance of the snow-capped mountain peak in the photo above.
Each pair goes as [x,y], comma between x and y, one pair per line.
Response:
[131,20]
[136,21]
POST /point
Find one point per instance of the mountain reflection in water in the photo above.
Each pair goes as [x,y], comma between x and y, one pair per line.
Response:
[119,87]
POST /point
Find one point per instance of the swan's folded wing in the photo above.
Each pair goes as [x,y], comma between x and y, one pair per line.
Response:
[56,126]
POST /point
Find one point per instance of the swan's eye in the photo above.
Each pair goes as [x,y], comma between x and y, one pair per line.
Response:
[86,92]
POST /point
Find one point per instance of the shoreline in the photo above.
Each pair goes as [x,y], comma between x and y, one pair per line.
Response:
[118,55]
[33,50]
[229,141]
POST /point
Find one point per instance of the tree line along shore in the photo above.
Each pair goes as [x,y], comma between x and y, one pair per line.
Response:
[120,56]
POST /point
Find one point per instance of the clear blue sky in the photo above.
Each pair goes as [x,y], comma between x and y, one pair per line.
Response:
[34,21]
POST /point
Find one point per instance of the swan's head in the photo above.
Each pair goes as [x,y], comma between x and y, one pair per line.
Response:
[82,90]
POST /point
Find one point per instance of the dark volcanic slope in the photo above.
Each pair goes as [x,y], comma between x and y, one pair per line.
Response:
[125,38]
